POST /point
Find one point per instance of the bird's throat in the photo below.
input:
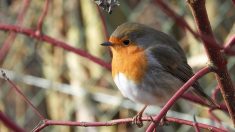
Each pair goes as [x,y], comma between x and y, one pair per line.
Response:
[132,63]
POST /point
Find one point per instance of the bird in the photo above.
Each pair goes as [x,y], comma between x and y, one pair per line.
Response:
[149,66]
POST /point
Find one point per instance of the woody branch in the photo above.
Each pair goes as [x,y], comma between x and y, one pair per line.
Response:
[42,17]
[176,96]
[184,25]
[11,37]
[123,121]
[42,37]
[10,124]
[218,61]
[228,46]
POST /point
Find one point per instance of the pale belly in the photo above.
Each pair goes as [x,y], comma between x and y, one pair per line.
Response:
[131,90]
[147,94]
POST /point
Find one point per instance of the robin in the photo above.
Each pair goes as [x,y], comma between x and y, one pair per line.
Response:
[149,66]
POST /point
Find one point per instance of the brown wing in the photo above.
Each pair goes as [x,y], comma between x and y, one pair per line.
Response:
[178,67]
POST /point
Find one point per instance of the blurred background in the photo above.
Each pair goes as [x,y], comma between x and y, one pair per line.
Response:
[65,86]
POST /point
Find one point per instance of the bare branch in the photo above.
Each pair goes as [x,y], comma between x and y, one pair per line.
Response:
[177,95]
[10,124]
[229,47]
[42,17]
[17,89]
[224,80]
[181,22]
[31,33]
[11,37]
[46,123]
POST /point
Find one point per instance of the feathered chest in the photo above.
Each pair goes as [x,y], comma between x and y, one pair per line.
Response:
[130,61]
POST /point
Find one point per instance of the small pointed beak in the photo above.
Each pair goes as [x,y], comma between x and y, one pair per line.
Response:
[106,44]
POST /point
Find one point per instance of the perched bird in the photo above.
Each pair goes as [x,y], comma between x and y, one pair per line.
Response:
[149,66]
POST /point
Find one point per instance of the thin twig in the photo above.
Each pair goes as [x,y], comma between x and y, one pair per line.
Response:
[12,35]
[42,17]
[46,123]
[229,47]
[17,89]
[31,33]
[181,22]
[215,118]
[195,124]
[214,93]
[177,95]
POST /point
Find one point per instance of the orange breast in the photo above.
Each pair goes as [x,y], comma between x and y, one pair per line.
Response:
[130,60]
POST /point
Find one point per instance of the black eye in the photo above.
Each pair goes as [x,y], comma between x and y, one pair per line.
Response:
[126,42]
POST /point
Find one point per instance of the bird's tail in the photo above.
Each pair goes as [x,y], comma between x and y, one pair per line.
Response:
[199,91]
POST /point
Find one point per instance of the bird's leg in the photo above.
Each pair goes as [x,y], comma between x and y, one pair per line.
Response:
[137,119]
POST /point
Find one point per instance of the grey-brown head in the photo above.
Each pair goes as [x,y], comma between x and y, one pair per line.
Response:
[130,33]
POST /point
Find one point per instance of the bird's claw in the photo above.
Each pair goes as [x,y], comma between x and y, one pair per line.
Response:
[137,119]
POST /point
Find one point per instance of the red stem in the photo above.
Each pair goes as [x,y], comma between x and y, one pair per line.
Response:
[215,118]
[216,57]
[42,37]
[176,96]
[229,47]
[181,22]
[215,92]
[195,125]
[10,124]
[11,37]
[122,121]
[18,91]
[42,17]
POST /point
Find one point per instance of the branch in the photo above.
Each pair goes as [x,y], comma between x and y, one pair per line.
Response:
[218,61]
[215,92]
[181,22]
[42,17]
[195,124]
[10,124]
[18,91]
[215,118]
[42,37]
[228,46]
[177,95]
[122,121]
[11,37]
